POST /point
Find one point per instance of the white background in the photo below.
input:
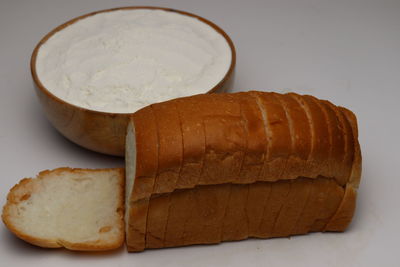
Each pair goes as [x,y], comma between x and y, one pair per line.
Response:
[347,51]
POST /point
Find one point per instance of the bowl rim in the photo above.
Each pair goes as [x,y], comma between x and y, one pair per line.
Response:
[42,88]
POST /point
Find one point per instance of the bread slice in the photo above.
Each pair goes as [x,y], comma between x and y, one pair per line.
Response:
[278,134]
[255,139]
[79,209]
[170,147]
[141,164]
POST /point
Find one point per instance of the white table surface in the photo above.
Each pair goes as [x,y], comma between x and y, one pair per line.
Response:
[347,51]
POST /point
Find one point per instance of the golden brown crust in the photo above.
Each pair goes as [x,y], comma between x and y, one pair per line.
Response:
[355,175]
[157,220]
[279,141]
[344,214]
[169,169]
[215,213]
[292,135]
[170,149]
[291,210]
[349,145]
[235,221]
[342,218]
[147,149]
[276,200]
[179,211]
[299,136]
[193,138]
[270,153]
[255,139]
[28,186]
[257,199]
[300,131]
[331,195]
[308,213]
[137,223]
[337,141]
[225,139]
[321,147]
[211,204]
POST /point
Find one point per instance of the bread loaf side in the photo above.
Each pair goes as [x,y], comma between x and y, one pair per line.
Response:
[211,168]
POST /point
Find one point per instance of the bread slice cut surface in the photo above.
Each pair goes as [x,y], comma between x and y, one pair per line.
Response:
[78,209]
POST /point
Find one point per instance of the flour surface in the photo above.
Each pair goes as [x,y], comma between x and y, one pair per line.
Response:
[123,60]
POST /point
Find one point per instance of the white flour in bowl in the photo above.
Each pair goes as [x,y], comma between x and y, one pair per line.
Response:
[121,61]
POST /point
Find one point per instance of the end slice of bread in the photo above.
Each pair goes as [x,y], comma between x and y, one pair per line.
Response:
[79,209]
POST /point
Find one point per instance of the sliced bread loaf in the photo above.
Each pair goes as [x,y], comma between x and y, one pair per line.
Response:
[217,167]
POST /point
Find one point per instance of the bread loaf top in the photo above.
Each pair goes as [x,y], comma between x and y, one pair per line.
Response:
[243,138]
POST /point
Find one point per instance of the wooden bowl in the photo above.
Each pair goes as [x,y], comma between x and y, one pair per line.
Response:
[103,132]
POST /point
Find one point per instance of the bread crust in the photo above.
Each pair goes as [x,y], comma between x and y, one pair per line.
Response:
[258,197]
[204,225]
[288,164]
[147,149]
[214,213]
[345,212]
[279,141]
[255,139]
[194,143]
[290,212]
[302,135]
[225,139]
[235,222]
[28,186]
[356,167]
[337,140]
[179,210]
[170,151]
[169,169]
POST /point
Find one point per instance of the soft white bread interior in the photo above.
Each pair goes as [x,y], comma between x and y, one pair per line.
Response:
[78,209]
